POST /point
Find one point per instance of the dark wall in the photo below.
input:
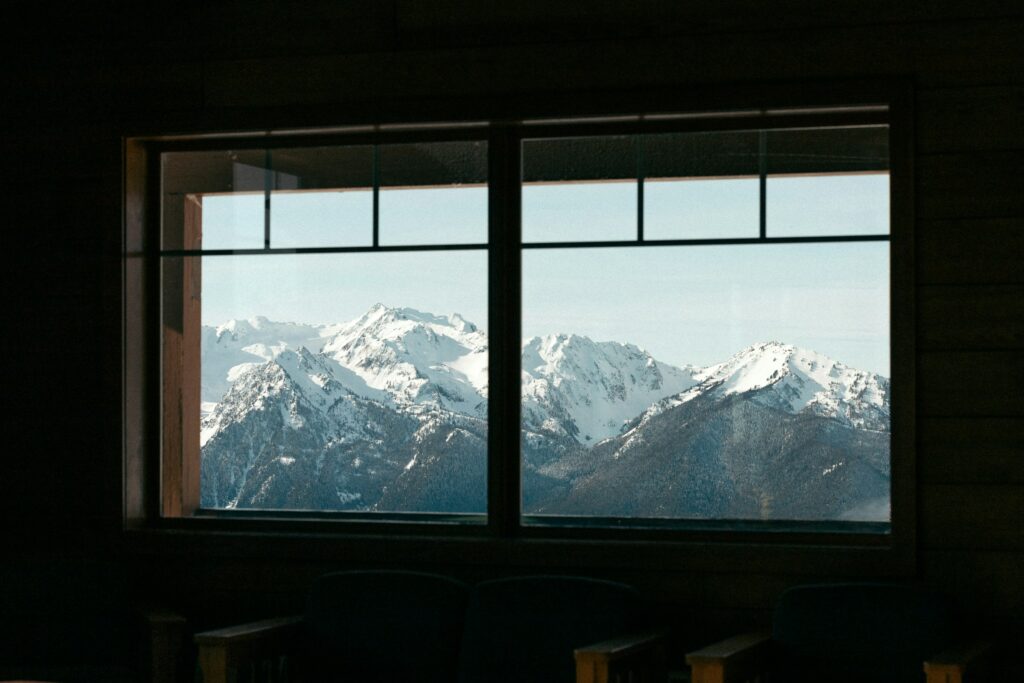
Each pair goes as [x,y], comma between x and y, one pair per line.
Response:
[80,77]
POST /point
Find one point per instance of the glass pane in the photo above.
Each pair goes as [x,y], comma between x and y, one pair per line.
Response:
[232,221]
[322,197]
[803,206]
[716,382]
[701,186]
[831,181]
[699,208]
[433,193]
[229,187]
[344,382]
[579,189]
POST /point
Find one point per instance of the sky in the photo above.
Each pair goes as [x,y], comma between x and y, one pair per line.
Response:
[686,305]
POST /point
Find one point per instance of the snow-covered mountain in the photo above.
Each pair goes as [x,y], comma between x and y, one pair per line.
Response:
[298,382]
[417,358]
[229,349]
[589,390]
[389,412]
[414,357]
[795,381]
[376,411]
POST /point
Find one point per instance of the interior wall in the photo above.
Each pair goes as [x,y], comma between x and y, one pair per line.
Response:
[78,79]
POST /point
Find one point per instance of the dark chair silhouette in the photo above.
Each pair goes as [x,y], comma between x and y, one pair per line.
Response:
[409,626]
[526,630]
[885,633]
[73,622]
[368,626]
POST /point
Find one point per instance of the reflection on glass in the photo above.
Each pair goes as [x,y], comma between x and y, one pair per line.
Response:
[701,185]
[580,189]
[345,381]
[827,181]
[715,382]
[321,197]
[806,205]
[230,184]
[433,193]
[701,208]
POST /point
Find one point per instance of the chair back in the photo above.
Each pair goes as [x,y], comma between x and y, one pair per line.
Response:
[524,629]
[860,631]
[377,626]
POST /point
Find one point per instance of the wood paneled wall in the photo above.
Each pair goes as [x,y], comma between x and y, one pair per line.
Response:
[79,78]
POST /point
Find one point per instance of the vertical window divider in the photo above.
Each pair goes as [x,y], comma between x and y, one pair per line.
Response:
[268,185]
[762,170]
[641,139]
[376,196]
[504,313]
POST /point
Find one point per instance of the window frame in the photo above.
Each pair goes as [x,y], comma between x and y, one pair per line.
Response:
[147,475]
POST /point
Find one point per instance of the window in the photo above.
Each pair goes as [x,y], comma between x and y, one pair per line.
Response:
[319,302]
[669,324]
[706,327]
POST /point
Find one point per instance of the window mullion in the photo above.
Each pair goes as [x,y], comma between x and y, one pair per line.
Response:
[762,162]
[504,323]
[268,185]
[641,140]
[376,196]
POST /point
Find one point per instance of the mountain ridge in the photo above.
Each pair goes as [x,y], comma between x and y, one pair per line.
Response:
[389,412]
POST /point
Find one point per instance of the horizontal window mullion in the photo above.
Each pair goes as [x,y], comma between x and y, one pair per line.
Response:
[700,242]
[320,250]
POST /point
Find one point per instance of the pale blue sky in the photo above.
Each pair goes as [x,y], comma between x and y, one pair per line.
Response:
[684,304]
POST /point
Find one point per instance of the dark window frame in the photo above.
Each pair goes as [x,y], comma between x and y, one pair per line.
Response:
[145,482]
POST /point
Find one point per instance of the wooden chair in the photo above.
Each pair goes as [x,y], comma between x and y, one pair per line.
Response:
[848,632]
[359,625]
[390,626]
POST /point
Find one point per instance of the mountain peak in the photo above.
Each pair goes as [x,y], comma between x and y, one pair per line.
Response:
[418,357]
[260,324]
[381,314]
[589,390]
[795,379]
[758,365]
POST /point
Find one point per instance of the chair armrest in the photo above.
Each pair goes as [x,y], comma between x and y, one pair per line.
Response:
[227,648]
[953,665]
[641,654]
[735,659]
[166,639]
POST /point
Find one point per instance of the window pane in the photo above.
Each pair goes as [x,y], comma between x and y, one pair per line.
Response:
[716,382]
[344,382]
[228,185]
[830,181]
[701,186]
[579,189]
[322,197]
[698,208]
[233,221]
[433,193]
[801,206]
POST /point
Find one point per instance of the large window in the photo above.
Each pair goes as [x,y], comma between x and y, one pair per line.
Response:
[319,308]
[706,326]
[697,310]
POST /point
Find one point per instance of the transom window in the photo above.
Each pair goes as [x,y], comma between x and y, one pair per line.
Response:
[671,324]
